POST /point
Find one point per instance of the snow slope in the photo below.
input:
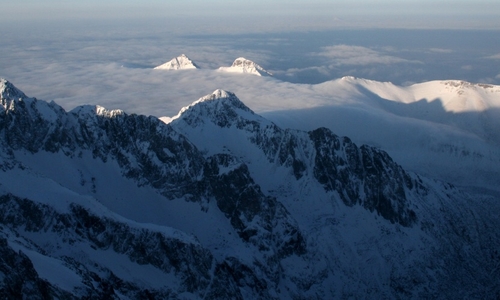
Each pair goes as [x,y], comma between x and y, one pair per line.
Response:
[181,62]
[245,66]
[426,127]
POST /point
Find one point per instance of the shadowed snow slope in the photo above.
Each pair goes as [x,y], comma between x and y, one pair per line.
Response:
[221,203]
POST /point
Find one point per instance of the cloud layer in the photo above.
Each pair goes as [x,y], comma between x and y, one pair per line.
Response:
[356,55]
[110,64]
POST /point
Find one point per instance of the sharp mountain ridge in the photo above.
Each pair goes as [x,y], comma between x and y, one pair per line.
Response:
[222,203]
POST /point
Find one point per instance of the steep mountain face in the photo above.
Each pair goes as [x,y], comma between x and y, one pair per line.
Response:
[19,277]
[356,174]
[243,65]
[78,229]
[222,203]
[181,62]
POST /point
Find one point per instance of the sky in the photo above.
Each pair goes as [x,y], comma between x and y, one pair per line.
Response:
[102,52]
[383,13]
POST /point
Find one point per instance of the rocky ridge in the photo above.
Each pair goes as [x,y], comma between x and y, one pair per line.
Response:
[313,214]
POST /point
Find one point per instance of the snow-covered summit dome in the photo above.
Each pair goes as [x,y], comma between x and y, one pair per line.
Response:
[243,65]
[181,62]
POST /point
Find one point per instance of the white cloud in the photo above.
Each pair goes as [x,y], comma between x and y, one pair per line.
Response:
[151,92]
[496,56]
[441,50]
[356,55]
[86,66]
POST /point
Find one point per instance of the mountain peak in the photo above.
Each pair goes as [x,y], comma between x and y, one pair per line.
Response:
[181,62]
[8,91]
[95,110]
[349,78]
[243,65]
[218,94]
[224,98]
[221,107]
[216,99]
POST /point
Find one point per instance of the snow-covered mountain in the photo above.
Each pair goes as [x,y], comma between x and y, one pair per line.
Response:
[243,65]
[181,62]
[426,127]
[223,203]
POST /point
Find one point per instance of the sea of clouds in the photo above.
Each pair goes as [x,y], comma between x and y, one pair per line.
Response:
[111,63]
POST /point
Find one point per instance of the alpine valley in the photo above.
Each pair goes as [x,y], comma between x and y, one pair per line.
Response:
[219,202]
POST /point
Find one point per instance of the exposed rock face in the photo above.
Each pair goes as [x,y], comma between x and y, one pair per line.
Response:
[364,175]
[360,175]
[188,261]
[20,280]
[279,213]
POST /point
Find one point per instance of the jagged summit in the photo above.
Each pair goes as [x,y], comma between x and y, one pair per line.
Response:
[221,106]
[9,92]
[243,65]
[181,62]
[218,94]
[95,110]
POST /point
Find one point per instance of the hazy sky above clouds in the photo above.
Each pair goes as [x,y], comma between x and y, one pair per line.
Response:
[351,13]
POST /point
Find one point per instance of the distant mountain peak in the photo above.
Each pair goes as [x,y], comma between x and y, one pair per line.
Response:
[181,62]
[243,65]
